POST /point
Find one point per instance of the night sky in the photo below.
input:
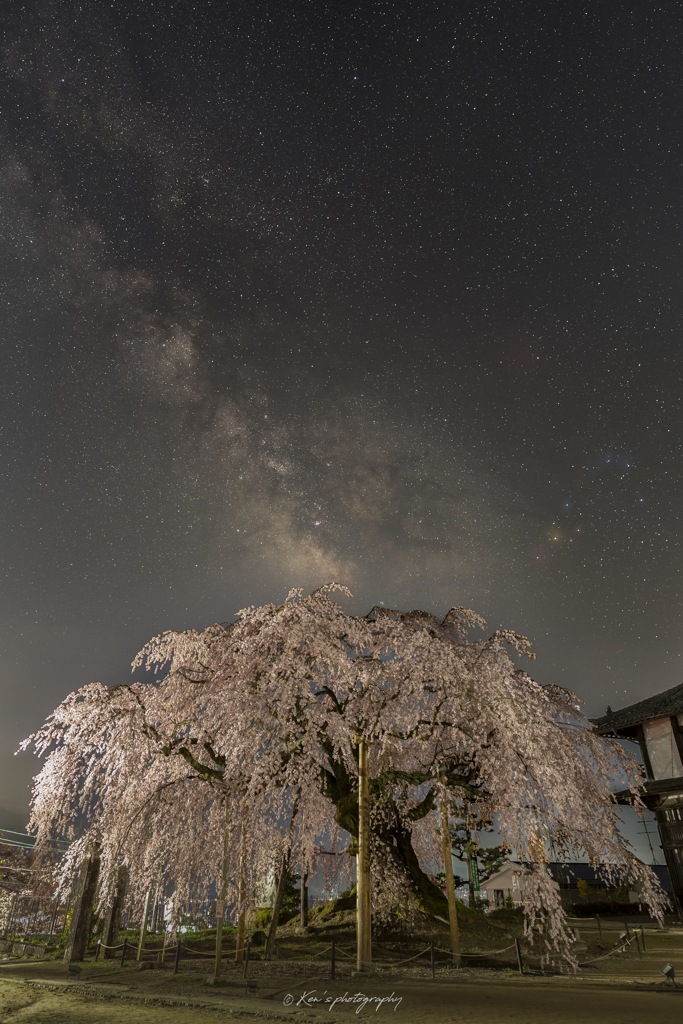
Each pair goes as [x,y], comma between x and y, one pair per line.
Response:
[388,294]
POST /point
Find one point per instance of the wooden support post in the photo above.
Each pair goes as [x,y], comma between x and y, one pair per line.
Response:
[363,878]
[640,955]
[154,912]
[519,957]
[450,882]
[277,905]
[81,917]
[112,917]
[431,957]
[10,915]
[177,956]
[597,918]
[303,920]
[246,958]
[97,950]
[642,936]
[143,924]
[242,893]
[123,951]
[220,906]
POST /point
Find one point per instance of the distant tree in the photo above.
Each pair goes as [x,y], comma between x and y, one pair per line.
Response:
[492,859]
[291,897]
[257,723]
[465,846]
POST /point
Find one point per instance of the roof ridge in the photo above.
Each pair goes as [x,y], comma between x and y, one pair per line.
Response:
[658,705]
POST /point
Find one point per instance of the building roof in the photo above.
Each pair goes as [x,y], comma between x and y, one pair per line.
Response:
[668,702]
[567,875]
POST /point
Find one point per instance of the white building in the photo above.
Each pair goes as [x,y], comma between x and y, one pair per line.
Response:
[506,884]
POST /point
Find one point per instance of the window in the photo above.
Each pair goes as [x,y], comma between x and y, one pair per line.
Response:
[662,749]
[499,897]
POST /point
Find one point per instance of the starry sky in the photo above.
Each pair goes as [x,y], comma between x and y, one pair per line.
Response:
[388,294]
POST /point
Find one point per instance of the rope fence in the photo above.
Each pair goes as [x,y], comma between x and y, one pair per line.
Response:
[488,952]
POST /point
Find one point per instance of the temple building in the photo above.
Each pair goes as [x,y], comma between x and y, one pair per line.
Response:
[656,724]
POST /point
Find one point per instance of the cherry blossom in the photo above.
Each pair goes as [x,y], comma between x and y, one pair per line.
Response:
[257,723]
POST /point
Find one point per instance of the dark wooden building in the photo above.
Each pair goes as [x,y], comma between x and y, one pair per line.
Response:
[656,724]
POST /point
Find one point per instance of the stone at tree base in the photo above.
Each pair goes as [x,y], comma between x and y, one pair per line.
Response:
[81,918]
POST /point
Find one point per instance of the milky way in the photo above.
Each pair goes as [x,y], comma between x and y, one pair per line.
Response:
[384,296]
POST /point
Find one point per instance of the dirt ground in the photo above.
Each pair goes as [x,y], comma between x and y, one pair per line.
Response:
[613,986]
[40,993]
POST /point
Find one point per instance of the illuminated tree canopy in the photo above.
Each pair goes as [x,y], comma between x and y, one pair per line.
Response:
[258,722]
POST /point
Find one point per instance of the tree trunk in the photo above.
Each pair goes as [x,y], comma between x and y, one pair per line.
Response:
[342,789]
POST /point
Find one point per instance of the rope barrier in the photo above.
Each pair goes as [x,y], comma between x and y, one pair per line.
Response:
[396,963]
[375,963]
[617,949]
[312,956]
[492,952]
[344,953]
